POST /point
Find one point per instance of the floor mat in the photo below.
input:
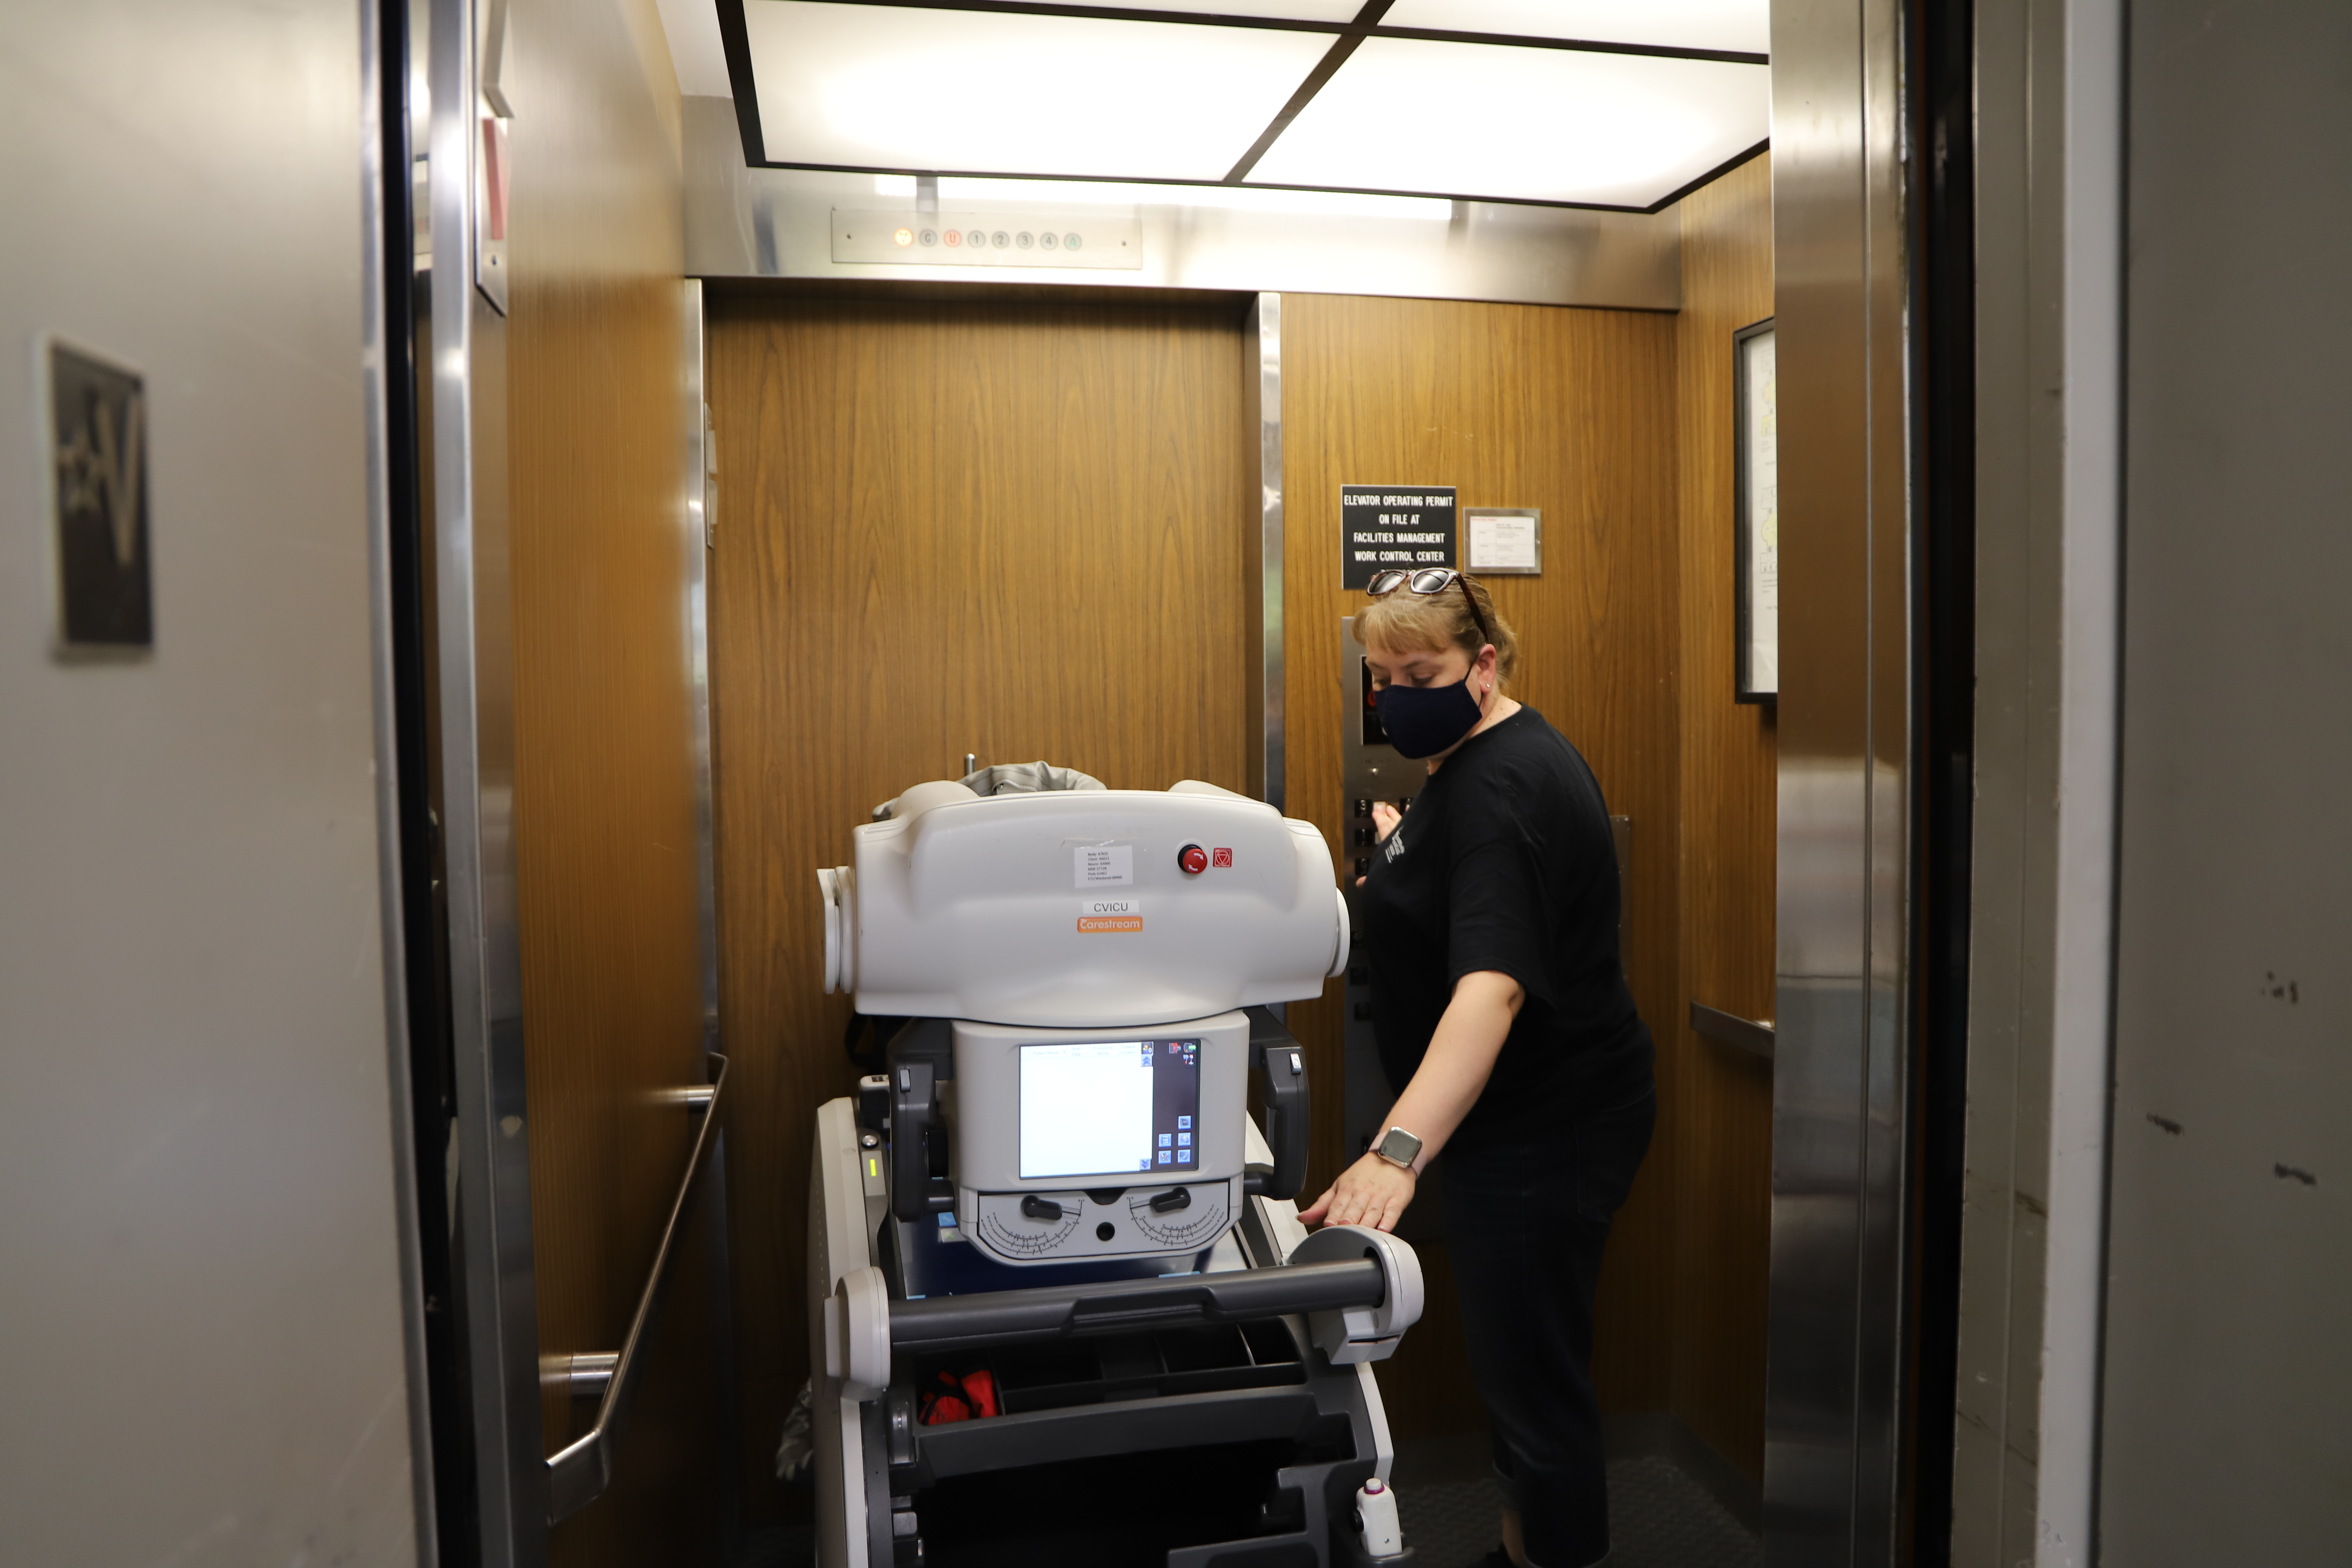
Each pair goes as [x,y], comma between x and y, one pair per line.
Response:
[1658,1517]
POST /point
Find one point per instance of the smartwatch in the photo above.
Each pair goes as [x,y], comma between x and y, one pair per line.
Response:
[1398,1147]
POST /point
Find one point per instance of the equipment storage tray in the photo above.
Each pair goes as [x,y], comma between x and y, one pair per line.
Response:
[1228,1505]
[1058,1374]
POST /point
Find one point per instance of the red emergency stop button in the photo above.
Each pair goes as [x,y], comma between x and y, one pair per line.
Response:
[1194,859]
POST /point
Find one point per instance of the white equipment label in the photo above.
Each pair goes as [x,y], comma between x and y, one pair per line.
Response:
[1105,865]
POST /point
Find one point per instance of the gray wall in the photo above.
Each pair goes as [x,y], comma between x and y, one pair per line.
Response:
[2228,1373]
[200,1343]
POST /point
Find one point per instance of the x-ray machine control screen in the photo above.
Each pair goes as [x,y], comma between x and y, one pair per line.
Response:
[1110,1108]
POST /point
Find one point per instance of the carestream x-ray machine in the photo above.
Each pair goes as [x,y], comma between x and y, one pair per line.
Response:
[1061,1304]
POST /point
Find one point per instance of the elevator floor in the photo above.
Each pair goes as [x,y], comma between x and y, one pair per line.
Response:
[1659,1516]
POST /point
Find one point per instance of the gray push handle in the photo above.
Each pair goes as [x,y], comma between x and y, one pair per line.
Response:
[1126,1306]
[914,1110]
[1277,1053]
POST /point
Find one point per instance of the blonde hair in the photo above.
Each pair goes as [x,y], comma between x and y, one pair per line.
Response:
[1405,619]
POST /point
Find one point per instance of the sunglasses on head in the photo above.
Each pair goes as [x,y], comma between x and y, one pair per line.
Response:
[1429,580]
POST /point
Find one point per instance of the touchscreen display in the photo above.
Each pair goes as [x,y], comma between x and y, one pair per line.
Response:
[1110,1108]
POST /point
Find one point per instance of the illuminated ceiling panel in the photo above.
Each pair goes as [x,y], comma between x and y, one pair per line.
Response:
[887,87]
[1279,10]
[1616,103]
[1521,125]
[985,191]
[1743,26]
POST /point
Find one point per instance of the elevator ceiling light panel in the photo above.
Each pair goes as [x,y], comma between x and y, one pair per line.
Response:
[1332,11]
[1612,103]
[966,190]
[887,87]
[1541,125]
[1739,26]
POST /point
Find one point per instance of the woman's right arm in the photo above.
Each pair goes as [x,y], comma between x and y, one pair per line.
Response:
[1444,1087]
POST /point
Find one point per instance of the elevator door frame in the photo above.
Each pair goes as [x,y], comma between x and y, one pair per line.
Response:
[1870,249]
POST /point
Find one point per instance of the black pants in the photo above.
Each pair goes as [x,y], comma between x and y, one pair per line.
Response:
[1524,1225]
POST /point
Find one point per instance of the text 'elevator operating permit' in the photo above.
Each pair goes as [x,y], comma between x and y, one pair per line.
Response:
[1386,526]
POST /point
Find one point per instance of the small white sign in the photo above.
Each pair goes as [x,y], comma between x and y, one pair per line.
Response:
[1130,905]
[1105,865]
[1503,539]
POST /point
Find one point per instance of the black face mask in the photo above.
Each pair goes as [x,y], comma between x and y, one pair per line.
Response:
[1423,720]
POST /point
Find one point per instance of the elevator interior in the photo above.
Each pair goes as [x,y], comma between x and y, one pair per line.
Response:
[1089,516]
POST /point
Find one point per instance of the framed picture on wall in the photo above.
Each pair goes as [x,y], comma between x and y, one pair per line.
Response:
[1756,507]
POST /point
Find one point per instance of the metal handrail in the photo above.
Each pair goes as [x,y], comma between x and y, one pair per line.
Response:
[1748,1034]
[578,1473]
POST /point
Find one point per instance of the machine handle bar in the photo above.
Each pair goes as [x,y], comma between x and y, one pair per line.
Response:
[1279,1058]
[1010,1317]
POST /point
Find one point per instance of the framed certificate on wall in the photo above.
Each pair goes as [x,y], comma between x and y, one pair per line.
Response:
[1505,540]
[1756,486]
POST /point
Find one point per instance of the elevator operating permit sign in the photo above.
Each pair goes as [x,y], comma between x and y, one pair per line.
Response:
[1383,526]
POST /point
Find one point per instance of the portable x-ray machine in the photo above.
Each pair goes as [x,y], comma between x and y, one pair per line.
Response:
[1062,1305]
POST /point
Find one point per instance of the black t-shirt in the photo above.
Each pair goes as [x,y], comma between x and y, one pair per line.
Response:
[1505,862]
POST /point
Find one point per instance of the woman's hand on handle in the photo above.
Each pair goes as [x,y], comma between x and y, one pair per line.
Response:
[1370,1192]
[1452,1075]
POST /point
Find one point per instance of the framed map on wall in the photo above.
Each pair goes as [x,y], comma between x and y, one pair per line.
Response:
[1757,513]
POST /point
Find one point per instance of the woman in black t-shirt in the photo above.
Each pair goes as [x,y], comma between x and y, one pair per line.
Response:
[1504,1022]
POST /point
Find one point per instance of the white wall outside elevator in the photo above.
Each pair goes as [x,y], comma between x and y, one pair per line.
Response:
[204,1360]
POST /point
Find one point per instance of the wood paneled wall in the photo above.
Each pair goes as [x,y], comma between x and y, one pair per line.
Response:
[1010,529]
[1014,527]
[1720,1099]
[1572,411]
[605,793]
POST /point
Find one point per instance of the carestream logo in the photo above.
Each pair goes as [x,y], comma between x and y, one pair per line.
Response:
[1097,916]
